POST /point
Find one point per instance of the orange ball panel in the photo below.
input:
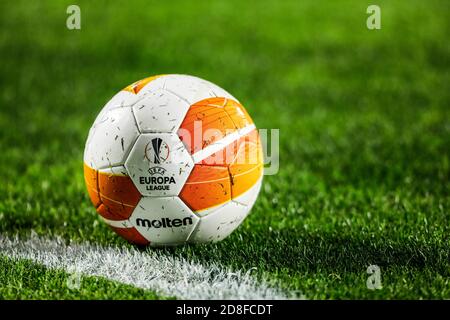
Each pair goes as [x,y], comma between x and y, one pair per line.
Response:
[247,167]
[118,195]
[131,235]
[213,121]
[206,187]
[138,85]
[90,178]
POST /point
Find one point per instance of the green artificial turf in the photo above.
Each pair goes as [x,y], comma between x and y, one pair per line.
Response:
[25,280]
[364,119]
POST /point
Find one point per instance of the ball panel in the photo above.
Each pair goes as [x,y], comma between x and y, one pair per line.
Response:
[91,181]
[189,88]
[163,221]
[227,152]
[243,177]
[118,194]
[112,139]
[204,124]
[220,223]
[206,187]
[219,92]
[159,164]
[214,123]
[121,99]
[238,114]
[248,198]
[138,85]
[131,235]
[88,159]
[160,111]
[247,167]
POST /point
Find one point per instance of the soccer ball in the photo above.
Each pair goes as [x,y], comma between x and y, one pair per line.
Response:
[172,159]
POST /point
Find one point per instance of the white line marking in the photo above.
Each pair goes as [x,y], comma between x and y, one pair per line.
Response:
[219,145]
[165,274]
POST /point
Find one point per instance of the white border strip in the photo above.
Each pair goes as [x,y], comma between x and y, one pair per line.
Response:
[165,274]
[118,223]
[219,145]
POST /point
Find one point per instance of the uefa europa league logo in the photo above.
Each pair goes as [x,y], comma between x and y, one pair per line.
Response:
[157,151]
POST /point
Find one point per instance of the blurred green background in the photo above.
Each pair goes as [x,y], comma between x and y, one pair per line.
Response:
[363,116]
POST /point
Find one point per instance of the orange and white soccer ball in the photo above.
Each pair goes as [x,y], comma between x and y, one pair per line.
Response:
[172,159]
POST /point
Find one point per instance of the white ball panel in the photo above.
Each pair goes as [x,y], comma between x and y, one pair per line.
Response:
[220,92]
[121,99]
[163,221]
[189,88]
[114,171]
[112,139]
[160,172]
[87,157]
[219,224]
[209,211]
[160,111]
